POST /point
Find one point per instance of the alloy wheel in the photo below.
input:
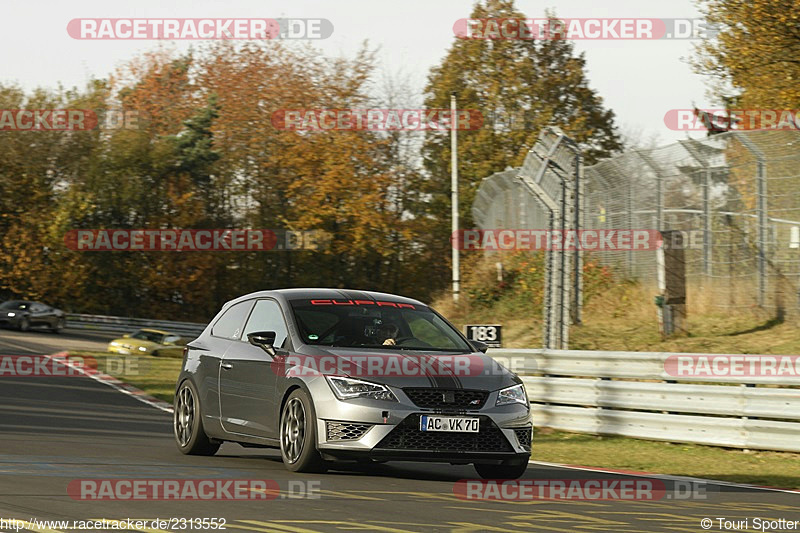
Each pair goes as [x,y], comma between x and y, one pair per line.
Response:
[184,416]
[293,430]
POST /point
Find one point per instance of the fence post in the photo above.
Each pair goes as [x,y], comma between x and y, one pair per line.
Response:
[761,214]
[577,305]
[707,244]
[697,155]
[762,231]
[548,164]
[630,225]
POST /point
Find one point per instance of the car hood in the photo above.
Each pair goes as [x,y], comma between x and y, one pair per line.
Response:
[405,368]
[135,343]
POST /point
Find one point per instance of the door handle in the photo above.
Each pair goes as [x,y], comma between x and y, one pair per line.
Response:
[227,366]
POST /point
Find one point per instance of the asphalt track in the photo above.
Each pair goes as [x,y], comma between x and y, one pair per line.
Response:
[58,429]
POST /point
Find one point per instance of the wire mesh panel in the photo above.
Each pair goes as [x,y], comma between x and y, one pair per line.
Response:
[735,196]
[544,194]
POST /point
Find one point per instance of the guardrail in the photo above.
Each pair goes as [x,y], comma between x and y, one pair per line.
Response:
[616,393]
[608,393]
[116,324]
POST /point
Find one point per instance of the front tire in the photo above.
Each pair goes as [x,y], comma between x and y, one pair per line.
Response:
[187,423]
[299,434]
[24,324]
[501,471]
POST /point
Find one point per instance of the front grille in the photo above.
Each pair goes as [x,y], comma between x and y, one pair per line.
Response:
[407,436]
[447,398]
[345,430]
[524,437]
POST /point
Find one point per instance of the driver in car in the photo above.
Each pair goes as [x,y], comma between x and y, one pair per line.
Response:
[387,334]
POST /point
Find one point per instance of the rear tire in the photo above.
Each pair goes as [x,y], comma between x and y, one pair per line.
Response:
[187,423]
[501,471]
[299,434]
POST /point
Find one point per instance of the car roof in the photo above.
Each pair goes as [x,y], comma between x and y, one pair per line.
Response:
[327,293]
[151,330]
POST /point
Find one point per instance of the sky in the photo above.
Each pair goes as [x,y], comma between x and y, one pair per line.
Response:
[639,80]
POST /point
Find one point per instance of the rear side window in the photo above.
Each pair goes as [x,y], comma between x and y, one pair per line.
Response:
[230,324]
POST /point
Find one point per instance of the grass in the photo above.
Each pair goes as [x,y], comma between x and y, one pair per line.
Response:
[624,318]
[776,469]
[154,375]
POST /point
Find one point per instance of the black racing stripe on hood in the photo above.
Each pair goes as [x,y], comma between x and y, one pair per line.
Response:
[442,381]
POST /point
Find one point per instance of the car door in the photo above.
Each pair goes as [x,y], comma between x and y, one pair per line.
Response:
[208,350]
[39,315]
[247,377]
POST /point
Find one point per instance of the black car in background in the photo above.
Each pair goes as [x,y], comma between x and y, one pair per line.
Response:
[25,314]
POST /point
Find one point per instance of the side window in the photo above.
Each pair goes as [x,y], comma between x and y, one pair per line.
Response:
[267,316]
[229,325]
[427,332]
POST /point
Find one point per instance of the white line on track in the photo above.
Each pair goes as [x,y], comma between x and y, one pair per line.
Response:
[114,384]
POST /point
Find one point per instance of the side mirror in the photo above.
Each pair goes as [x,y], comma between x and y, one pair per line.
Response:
[126,336]
[479,346]
[264,340]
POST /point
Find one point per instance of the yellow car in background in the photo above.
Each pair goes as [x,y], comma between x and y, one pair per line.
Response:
[149,342]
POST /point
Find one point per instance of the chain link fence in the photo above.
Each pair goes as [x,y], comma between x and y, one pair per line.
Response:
[736,197]
[545,193]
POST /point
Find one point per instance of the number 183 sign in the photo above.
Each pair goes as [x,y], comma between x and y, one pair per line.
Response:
[490,334]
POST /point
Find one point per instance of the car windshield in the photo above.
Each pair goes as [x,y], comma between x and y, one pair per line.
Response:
[368,324]
[151,336]
[15,304]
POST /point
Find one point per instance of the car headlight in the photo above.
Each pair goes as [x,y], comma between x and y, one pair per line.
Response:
[142,349]
[348,388]
[513,394]
[113,343]
[12,314]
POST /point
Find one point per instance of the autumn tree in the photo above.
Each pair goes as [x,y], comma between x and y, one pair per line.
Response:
[519,87]
[752,60]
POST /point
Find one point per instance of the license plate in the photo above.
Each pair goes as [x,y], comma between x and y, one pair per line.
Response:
[451,424]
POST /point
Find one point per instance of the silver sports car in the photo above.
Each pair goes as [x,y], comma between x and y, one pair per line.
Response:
[331,375]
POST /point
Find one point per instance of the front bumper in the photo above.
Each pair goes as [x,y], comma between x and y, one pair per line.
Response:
[118,350]
[389,431]
[127,350]
[9,321]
